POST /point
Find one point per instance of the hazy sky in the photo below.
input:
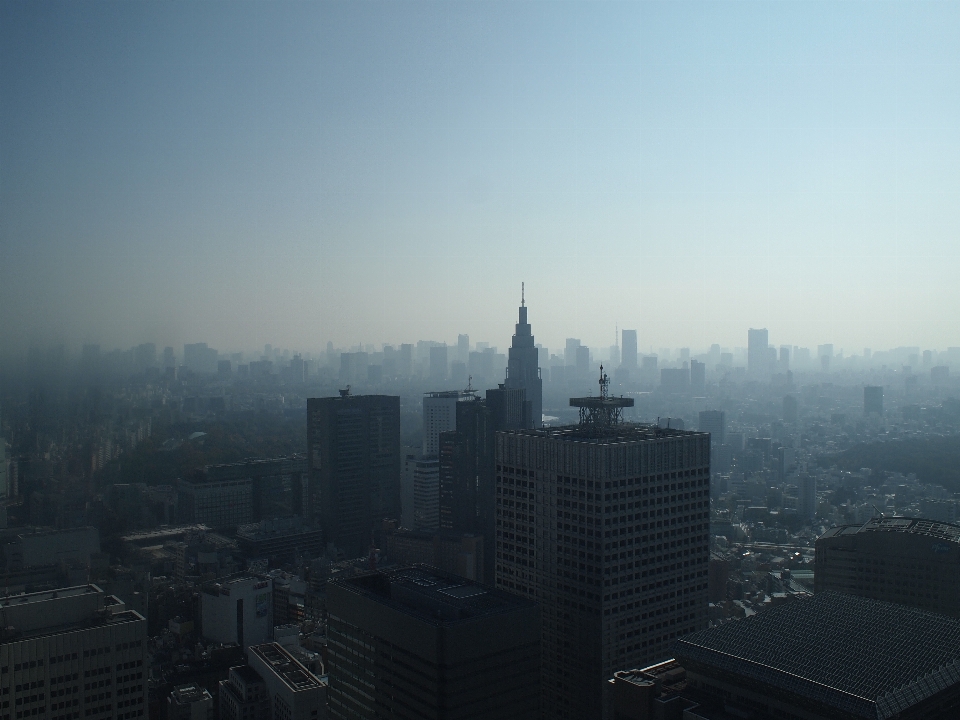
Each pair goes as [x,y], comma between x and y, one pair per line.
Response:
[292,173]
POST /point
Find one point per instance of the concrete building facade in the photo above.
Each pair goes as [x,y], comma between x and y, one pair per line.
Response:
[608,529]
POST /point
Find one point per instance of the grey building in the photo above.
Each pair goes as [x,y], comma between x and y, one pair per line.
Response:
[293,692]
[421,644]
[72,653]
[873,400]
[606,525]
[910,561]
[353,449]
[827,657]
[523,369]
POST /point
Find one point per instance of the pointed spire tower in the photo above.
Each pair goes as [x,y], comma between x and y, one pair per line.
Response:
[523,366]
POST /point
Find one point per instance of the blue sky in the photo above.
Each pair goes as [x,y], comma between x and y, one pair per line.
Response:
[292,173]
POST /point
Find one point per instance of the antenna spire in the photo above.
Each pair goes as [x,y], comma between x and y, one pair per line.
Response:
[523,301]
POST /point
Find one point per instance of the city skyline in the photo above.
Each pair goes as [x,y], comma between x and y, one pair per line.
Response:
[283,173]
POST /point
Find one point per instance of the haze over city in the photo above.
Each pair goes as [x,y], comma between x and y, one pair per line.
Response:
[366,173]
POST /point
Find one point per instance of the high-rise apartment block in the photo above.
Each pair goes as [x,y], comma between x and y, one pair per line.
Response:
[353,455]
[72,653]
[909,561]
[606,525]
[523,368]
[420,644]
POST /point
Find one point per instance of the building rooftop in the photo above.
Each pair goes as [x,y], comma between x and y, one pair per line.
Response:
[612,434]
[75,591]
[913,526]
[431,594]
[286,667]
[864,657]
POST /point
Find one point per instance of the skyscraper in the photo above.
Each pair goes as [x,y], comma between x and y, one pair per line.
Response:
[606,525]
[353,456]
[758,354]
[523,368]
[629,351]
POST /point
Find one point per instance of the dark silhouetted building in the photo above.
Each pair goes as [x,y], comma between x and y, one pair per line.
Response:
[523,369]
[467,465]
[606,525]
[896,559]
[873,399]
[421,644]
[353,455]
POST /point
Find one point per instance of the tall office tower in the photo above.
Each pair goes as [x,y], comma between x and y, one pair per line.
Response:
[72,653]
[438,363]
[698,377]
[607,526]
[353,455]
[628,354]
[715,423]
[583,362]
[896,559]
[523,368]
[420,644]
[757,354]
[440,415]
[784,358]
[467,465]
[873,399]
[806,488]
[570,352]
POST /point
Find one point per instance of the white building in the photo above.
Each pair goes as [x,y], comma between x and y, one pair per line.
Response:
[238,610]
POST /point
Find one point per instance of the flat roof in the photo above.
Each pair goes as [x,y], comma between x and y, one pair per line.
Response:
[433,595]
[618,433]
[948,532]
[44,595]
[865,657]
[294,675]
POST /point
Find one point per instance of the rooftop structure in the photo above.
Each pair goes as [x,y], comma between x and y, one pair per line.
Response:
[832,656]
[597,414]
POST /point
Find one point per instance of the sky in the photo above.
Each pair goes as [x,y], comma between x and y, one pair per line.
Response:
[362,172]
